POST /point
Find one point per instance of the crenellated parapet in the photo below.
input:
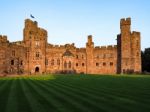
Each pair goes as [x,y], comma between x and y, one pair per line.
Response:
[29,23]
[42,32]
[135,34]
[3,38]
[126,21]
[66,46]
[81,49]
[109,47]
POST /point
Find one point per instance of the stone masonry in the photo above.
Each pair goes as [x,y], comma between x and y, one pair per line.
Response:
[35,55]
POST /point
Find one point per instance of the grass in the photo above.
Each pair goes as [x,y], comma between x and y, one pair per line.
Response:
[75,93]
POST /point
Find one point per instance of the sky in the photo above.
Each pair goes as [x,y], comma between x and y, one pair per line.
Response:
[71,21]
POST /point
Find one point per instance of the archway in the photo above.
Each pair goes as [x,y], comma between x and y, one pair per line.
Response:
[37,69]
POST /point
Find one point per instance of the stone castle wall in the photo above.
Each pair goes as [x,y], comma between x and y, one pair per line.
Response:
[35,55]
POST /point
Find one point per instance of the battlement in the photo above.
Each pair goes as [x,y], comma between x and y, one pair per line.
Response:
[125,21]
[109,47]
[3,38]
[30,23]
[81,49]
[17,43]
[42,32]
[68,46]
[89,39]
[135,33]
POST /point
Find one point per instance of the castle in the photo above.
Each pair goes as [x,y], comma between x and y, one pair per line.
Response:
[35,55]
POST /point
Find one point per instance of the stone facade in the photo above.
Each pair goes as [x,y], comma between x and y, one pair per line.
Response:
[35,55]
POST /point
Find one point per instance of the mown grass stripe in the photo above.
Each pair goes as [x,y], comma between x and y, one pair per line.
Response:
[32,97]
[23,103]
[113,93]
[4,93]
[2,84]
[103,91]
[62,103]
[121,97]
[12,98]
[78,93]
[96,101]
[81,100]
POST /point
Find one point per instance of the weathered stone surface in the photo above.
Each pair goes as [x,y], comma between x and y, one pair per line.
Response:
[35,55]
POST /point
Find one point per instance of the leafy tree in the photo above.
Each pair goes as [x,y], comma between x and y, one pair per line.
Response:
[146,60]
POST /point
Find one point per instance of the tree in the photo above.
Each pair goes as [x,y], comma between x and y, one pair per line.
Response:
[145,55]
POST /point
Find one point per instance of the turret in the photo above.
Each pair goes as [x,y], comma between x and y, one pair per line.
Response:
[3,38]
[136,51]
[35,39]
[89,53]
[124,46]
[127,49]
[90,42]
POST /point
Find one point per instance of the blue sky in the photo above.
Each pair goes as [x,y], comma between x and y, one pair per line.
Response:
[69,21]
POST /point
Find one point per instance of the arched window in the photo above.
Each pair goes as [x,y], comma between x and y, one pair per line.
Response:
[13,53]
[52,62]
[37,54]
[58,61]
[12,62]
[69,64]
[21,62]
[65,64]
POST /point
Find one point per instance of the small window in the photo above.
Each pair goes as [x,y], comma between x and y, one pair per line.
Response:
[58,61]
[83,64]
[69,64]
[21,63]
[124,71]
[12,62]
[65,64]
[77,56]
[111,63]
[37,54]
[137,54]
[77,64]
[46,62]
[30,32]
[52,62]
[13,53]
[97,64]
[82,56]
[104,64]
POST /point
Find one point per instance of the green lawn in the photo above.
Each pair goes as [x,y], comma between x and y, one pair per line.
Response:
[75,93]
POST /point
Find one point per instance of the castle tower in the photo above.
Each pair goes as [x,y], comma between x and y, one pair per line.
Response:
[136,52]
[89,55]
[129,56]
[124,46]
[35,39]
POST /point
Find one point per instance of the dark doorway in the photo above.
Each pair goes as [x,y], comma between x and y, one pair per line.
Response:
[37,69]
